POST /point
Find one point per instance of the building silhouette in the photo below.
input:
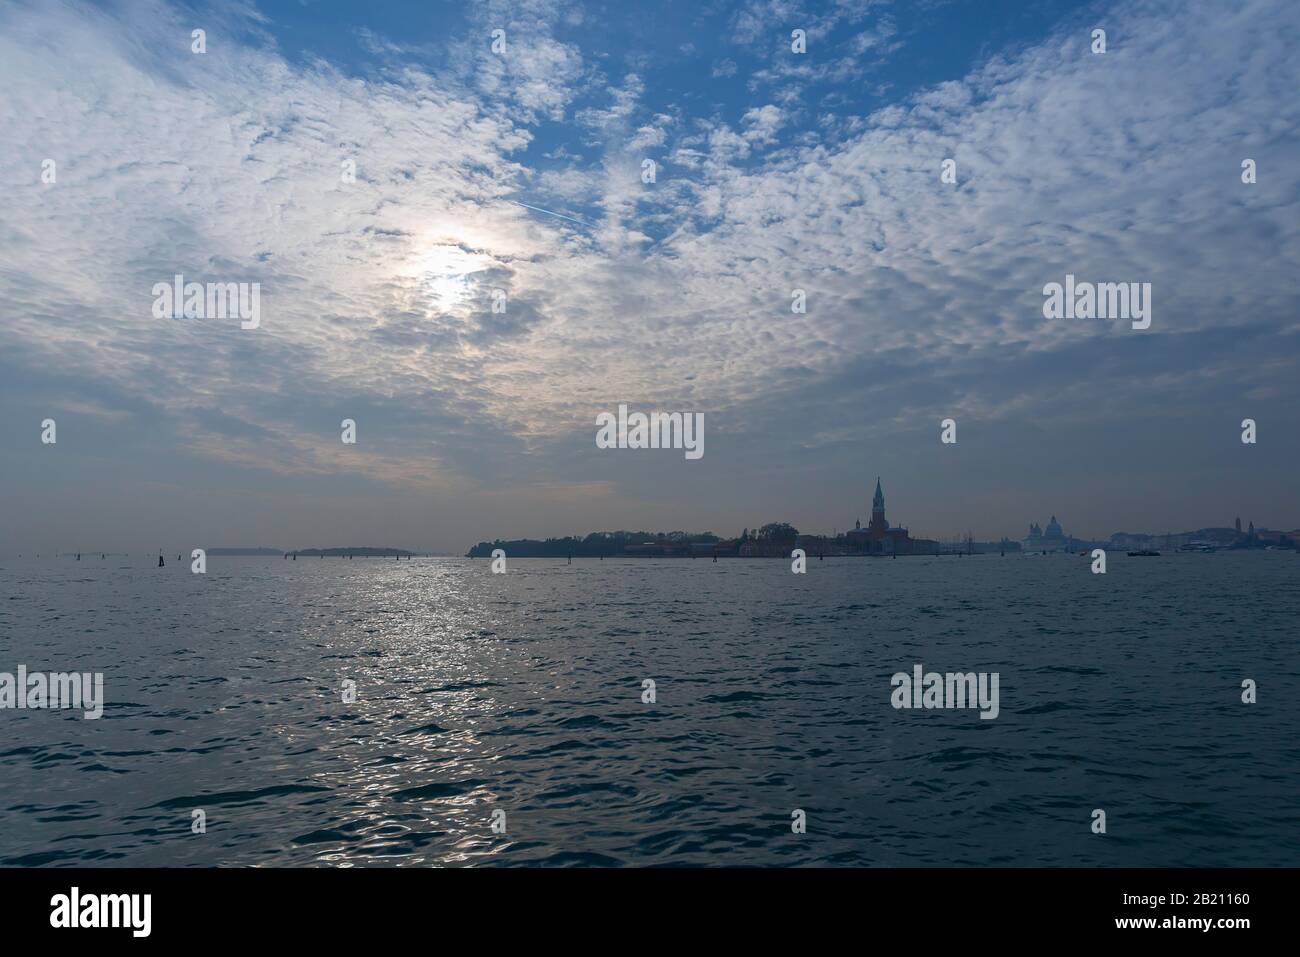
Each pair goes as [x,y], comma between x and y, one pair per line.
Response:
[1052,539]
[880,538]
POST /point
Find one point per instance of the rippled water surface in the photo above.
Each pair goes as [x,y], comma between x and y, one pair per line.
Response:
[522,692]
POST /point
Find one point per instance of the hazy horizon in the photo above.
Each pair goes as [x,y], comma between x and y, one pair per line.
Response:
[776,171]
[418,549]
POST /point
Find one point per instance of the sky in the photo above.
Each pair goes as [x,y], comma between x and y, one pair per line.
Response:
[775,171]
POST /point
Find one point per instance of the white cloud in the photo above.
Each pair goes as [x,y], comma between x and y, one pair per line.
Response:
[226,167]
[762,122]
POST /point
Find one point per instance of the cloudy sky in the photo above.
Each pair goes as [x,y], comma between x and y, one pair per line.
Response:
[775,171]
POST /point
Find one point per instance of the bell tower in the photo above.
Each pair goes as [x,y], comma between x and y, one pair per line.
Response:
[878,524]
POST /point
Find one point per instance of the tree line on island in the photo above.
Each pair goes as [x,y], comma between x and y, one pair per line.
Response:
[773,539]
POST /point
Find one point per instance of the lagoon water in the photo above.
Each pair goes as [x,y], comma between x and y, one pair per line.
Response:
[523,693]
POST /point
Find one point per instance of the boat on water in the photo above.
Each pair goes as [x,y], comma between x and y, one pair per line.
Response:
[1144,553]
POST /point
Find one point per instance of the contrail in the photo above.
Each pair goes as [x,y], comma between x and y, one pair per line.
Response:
[549,213]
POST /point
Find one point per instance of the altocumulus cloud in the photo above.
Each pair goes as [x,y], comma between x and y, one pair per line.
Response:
[226,167]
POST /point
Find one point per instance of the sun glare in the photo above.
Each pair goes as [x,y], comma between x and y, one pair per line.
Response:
[447,272]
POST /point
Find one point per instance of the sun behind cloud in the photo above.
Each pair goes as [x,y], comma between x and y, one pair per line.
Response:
[447,271]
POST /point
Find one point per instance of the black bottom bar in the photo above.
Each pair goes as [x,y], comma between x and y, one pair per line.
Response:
[367,906]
